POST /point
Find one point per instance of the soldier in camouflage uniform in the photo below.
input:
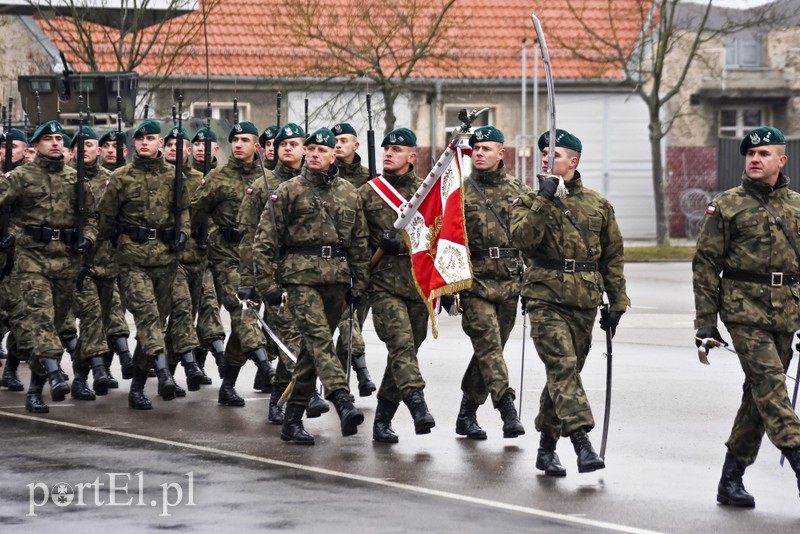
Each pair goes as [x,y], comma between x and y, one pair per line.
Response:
[573,257]
[758,299]
[199,149]
[108,149]
[220,197]
[398,312]
[267,143]
[140,198]
[319,225]
[349,164]
[489,307]
[42,200]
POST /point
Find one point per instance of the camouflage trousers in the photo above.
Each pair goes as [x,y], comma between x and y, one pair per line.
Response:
[246,335]
[20,338]
[148,296]
[281,321]
[488,325]
[562,337]
[111,303]
[402,325]
[317,310]
[764,357]
[342,341]
[46,303]
[194,296]
[92,341]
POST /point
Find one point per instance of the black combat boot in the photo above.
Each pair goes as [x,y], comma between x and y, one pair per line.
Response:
[227,393]
[33,400]
[179,391]
[99,375]
[259,356]
[423,420]
[259,384]
[10,378]
[730,489]
[71,346]
[793,455]
[58,386]
[80,388]
[108,359]
[136,398]
[124,353]
[588,460]
[467,421]
[194,376]
[292,429]
[166,384]
[349,415]
[511,424]
[218,352]
[547,459]
[200,356]
[276,412]
[317,406]
[382,426]
[365,384]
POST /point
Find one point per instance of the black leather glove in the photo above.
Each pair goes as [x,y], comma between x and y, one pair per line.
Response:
[609,320]
[797,347]
[6,242]
[446,302]
[85,271]
[708,332]
[247,293]
[390,241]
[523,304]
[547,189]
[180,244]
[9,266]
[83,245]
[352,298]
[274,296]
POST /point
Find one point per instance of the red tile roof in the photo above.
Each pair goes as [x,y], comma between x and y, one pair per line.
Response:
[258,38]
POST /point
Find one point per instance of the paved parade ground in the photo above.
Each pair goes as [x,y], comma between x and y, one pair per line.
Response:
[191,465]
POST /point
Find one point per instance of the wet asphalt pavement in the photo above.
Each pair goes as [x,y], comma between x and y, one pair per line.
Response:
[192,465]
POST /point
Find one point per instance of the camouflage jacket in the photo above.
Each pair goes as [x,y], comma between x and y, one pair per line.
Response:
[199,165]
[302,220]
[738,233]
[355,173]
[220,197]
[541,230]
[253,204]
[495,279]
[392,273]
[102,255]
[142,193]
[193,253]
[43,193]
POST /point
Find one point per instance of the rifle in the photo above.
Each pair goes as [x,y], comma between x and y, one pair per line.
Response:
[235,111]
[306,107]
[202,231]
[120,147]
[277,128]
[39,110]
[178,175]
[9,144]
[5,213]
[373,171]
[80,191]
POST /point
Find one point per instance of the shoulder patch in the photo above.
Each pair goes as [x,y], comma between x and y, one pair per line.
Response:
[248,191]
[273,198]
[515,201]
[203,182]
[711,209]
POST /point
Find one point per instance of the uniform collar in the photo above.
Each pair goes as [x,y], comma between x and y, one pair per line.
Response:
[241,166]
[320,178]
[491,177]
[284,172]
[49,164]
[402,179]
[349,168]
[762,187]
[148,164]
[575,185]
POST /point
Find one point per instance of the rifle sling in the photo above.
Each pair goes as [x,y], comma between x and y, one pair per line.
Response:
[778,221]
[327,206]
[574,221]
[490,206]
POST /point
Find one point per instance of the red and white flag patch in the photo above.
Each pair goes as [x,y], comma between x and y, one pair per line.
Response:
[711,209]
[203,182]
[274,198]
[248,191]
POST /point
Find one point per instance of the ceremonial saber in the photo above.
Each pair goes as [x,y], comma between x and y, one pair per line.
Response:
[551,93]
[609,360]
[794,396]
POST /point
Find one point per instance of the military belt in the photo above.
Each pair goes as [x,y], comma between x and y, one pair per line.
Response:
[567,265]
[493,253]
[143,234]
[324,251]
[774,279]
[46,234]
[230,234]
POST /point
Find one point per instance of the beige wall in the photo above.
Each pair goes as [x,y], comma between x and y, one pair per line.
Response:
[22,55]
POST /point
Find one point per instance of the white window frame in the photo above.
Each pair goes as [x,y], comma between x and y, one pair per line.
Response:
[488,116]
[740,127]
[199,110]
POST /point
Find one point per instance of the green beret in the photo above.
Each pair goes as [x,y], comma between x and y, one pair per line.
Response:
[150,126]
[344,128]
[245,127]
[67,140]
[564,139]
[486,134]
[173,132]
[400,137]
[289,131]
[268,133]
[15,135]
[112,136]
[48,128]
[766,135]
[323,136]
[88,133]
[202,133]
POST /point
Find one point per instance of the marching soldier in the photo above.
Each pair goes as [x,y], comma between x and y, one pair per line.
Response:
[267,143]
[108,149]
[574,247]
[199,149]
[140,198]
[489,307]
[19,144]
[749,234]
[398,311]
[319,225]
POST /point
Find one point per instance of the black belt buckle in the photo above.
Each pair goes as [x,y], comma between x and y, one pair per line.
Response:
[776,279]
[152,233]
[327,251]
[55,234]
[569,265]
[494,253]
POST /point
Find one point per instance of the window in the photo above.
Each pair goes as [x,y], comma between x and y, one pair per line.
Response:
[735,122]
[743,52]
[221,111]
[452,122]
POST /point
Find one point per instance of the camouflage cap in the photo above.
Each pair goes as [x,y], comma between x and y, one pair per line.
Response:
[486,134]
[289,131]
[204,133]
[564,139]
[48,128]
[15,135]
[148,127]
[765,135]
[112,137]
[88,133]
[269,133]
[245,127]
[344,128]
[400,137]
[173,133]
[323,136]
